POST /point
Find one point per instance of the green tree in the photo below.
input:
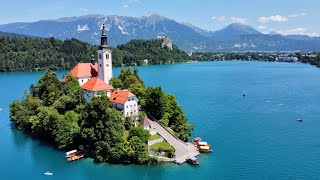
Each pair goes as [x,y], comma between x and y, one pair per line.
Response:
[49,88]
[116,82]
[155,102]
[125,73]
[139,148]
[139,132]
[66,130]
[130,81]
[21,111]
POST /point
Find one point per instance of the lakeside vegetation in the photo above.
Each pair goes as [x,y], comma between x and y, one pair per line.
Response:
[25,53]
[54,111]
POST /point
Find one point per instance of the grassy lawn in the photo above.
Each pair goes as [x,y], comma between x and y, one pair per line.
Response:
[154,137]
[162,146]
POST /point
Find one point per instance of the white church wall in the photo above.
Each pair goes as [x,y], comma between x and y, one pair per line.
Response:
[105,65]
[83,80]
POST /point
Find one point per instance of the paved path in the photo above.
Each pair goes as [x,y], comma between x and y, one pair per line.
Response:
[182,149]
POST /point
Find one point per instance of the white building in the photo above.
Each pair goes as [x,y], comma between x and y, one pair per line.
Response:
[94,77]
[104,59]
[126,102]
[94,86]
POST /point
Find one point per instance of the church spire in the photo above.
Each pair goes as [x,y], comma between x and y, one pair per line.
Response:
[104,39]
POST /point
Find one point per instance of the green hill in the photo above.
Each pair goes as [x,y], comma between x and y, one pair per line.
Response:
[23,53]
[136,51]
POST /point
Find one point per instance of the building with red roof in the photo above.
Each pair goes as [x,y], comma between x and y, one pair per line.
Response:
[94,86]
[145,123]
[94,78]
[84,72]
[102,69]
[126,102]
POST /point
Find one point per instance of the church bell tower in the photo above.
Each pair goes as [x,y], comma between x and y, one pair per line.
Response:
[104,58]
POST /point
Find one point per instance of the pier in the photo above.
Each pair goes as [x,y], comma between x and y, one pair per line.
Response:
[182,149]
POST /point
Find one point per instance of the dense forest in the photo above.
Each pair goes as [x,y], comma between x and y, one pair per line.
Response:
[22,53]
[26,53]
[55,111]
[135,51]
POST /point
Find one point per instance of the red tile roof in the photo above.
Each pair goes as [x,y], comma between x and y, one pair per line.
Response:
[120,96]
[96,84]
[85,70]
[145,121]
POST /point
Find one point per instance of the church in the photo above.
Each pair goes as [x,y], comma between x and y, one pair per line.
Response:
[94,78]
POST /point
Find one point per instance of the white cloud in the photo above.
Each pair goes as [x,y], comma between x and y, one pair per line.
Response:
[129,3]
[262,27]
[297,15]
[297,31]
[219,18]
[125,5]
[83,9]
[276,18]
[238,20]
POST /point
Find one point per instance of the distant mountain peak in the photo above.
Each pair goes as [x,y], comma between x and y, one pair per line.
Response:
[239,28]
[121,29]
[274,33]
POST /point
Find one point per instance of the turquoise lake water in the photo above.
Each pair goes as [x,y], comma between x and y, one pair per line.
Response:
[251,139]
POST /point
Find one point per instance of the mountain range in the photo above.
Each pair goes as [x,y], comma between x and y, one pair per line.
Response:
[121,29]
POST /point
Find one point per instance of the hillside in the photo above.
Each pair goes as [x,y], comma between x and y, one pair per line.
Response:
[32,54]
[122,29]
[136,51]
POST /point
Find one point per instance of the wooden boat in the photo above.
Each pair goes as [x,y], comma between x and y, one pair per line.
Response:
[192,160]
[204,148]
[74,155]
[196,140]
[70,153]
[202,143]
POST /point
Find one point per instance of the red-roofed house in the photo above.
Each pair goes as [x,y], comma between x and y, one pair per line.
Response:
[94,86]
[84,72]
[125,101]
[145,123]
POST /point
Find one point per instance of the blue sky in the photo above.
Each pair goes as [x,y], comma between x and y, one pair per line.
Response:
[281,16]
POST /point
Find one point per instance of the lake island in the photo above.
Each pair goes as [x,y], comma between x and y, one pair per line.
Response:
[105,117]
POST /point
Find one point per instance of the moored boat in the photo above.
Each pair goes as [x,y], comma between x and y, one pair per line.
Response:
[192,160]
[205,148]
[196,140]
[74,155]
